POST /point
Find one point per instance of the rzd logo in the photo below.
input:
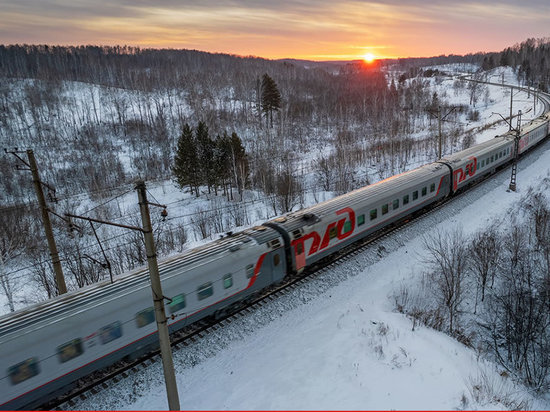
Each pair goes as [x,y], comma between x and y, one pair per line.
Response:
[320,244]
[460,175]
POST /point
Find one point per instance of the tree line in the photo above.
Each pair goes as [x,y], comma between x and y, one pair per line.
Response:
[530,58]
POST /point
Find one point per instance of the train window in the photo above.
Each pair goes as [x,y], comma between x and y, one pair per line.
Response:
[384,209]
[432,187]
[373,214]
[361,220]
[405,199]
[145,317]
[250,268]
[70,350]
[492,159]
[24,370]
[424,191]
[228,280]
[415,195]
[276,260]
[110,332]
[483,163]
[205,290]
[347,226]
[275,243]
[178,303]
[332,233]
[395,204]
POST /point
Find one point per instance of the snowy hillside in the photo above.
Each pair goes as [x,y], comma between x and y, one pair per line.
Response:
[192,221]
[337,343]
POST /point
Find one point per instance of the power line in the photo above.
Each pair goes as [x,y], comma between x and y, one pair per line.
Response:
[67,255]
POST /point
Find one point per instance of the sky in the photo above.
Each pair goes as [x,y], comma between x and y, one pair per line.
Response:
[302,29]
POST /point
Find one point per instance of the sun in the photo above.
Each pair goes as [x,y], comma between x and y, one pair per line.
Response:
[369,57]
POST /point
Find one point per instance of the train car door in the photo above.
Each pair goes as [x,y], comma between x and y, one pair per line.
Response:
[278,267]
[300,256]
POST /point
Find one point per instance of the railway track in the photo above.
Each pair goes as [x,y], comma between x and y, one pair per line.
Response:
[95,383]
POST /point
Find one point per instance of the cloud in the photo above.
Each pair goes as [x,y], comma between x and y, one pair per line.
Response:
[295,28]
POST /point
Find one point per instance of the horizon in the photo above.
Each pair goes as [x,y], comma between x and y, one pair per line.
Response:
[319,30]
[354,59]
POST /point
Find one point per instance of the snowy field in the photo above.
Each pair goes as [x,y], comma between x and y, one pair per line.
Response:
[336,342]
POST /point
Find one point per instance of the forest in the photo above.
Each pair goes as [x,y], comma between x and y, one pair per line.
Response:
[98,118]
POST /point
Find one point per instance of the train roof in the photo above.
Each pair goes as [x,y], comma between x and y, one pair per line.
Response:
[478,150]
[533,124]
[54,309]
[365,195]
[528,127]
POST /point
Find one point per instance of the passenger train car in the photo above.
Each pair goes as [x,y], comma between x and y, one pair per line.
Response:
[46,347]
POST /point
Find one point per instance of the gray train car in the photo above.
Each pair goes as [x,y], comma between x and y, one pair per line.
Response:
[83,331]
[477,161]
[316,232]
[533,132]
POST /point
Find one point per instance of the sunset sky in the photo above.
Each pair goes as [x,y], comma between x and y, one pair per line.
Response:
[304,29]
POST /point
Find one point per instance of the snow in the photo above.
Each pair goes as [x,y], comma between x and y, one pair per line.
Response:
[337,343]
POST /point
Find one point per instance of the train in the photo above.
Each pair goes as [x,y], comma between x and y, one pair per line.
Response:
[46,347]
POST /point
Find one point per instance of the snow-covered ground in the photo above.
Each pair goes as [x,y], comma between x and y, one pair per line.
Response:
[336,342]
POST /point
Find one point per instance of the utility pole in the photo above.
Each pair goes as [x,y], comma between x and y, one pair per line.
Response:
[440,136]
[512,186]
[440,119]
[517,130]
[511,99]
[59,279]
[56,262]
[158,298]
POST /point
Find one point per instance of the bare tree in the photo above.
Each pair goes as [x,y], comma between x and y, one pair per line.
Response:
[518,314]
[287,192]
[325,173]
[9,283]
[448,259]
[44,277]
[484,258]
[201,220]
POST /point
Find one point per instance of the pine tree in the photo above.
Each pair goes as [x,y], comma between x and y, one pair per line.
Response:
[206,148]
[239,163]
[271,98]
[186,163]
[223,163]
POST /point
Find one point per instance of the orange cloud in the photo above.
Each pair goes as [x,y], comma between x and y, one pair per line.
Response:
[320,29]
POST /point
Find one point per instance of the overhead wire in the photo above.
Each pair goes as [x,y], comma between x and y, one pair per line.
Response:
[65,256]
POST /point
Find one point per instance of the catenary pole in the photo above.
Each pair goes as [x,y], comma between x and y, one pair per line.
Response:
[511,101]
[158,298]
[59,279]
[512,185]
